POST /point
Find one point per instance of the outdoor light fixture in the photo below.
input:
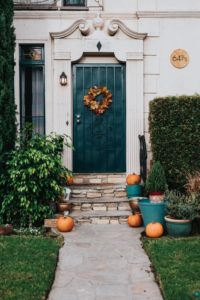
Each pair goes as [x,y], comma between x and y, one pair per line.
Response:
[63,79]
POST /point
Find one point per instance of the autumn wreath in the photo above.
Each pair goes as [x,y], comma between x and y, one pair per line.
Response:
[98,107]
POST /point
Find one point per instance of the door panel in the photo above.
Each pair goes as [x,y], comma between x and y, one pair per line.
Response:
[99,140]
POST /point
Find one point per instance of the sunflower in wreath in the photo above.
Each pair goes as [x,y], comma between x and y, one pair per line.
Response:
[98,107]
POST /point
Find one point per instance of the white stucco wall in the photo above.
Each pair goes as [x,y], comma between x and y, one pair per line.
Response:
[169,25]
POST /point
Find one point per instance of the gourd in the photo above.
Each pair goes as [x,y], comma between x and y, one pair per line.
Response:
[70,180]
[65,224]
[135,220]
[154,230]
[133,179]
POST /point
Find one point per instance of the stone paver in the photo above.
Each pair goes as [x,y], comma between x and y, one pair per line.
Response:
[104,262]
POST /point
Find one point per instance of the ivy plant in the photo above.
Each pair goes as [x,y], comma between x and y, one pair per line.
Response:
[34,179]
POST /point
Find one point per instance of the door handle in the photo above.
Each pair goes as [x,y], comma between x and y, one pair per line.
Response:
[78,121]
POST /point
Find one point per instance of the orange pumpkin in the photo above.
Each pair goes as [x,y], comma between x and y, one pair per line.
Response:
[65,224]
[70,180]
[133,179]
[135,220]
[154,230]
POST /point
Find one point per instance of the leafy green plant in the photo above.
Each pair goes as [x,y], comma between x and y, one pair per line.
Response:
[180,206]
[156,181]
[175,139]
[34,179]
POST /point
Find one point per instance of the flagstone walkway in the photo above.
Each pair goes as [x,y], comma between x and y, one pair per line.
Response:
[103,262]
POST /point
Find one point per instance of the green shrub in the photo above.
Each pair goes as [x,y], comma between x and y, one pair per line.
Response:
[175,136]
[7,102]
[33,181]
[156,181]
[180,206]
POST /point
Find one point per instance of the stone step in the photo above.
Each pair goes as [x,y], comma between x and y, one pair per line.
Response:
[96,178]
[98,200]
[99,187]
[112,206]
[98,191]
[101,217]
[98,213]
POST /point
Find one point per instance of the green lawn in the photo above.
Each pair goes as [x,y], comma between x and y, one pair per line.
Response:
[176,263]
[27,266]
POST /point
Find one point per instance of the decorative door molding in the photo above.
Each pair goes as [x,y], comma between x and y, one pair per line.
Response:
[98,40]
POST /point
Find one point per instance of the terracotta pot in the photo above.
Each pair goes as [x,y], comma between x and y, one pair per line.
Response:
[156,197]
[4,230]
[64,206]
[134,204]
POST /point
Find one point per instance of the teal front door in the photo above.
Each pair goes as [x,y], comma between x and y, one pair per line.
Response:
[99,139]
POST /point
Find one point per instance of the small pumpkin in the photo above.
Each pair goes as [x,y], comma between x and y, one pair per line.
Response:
[70,180]
[154,230]
[135,220]
[133,179]
[65,224]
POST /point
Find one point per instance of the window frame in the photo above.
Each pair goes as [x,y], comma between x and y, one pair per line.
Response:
[32,64]
[74,5]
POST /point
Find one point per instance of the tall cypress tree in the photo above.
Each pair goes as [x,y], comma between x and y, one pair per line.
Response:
[7,103]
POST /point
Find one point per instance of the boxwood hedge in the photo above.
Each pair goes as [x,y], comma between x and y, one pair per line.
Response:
[175,136]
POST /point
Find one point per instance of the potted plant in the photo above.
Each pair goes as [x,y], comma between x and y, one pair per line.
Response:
[153,209]
[180,211]
[133,188]
[63,200]
[156,183]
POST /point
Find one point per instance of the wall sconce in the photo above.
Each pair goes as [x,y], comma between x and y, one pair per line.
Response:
[63,79]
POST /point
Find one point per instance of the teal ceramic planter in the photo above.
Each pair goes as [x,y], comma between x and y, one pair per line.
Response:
[134,190]
[152,212]
[178,228]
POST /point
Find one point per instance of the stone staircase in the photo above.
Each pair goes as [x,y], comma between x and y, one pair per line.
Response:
[100,199]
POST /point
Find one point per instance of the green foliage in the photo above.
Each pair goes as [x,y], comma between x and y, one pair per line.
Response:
[7,104]
[33,179]
[180,206]
[156,181]
[30,231]
[27,266]
[175,138]
[193,189]
[176,263]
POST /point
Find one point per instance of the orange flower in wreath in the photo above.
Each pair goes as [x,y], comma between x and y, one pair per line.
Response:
[98,107]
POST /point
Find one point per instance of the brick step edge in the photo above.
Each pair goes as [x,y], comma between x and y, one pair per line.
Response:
[98,193]
[100,214]
[103,200]
[100,178]
[100,186]
[51,223]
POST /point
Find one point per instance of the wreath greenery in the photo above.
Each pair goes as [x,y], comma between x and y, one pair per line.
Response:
[98,107]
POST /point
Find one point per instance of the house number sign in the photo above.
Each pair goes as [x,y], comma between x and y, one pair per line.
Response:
[179,58]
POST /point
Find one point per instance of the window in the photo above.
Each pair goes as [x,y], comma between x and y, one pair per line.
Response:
[74,2]
[32,97]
